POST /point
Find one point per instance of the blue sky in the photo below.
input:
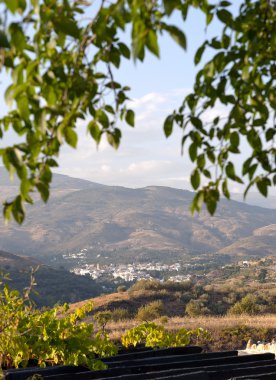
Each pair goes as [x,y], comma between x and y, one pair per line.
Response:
[158,86]
[145,156]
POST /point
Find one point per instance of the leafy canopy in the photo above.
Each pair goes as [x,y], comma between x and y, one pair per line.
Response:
[60,58]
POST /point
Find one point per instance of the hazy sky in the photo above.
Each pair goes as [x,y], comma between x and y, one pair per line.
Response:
[145,156]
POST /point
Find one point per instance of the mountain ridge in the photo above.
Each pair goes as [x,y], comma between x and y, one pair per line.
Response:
[116,221]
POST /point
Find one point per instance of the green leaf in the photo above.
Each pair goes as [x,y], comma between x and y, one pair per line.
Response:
[102,117]
[43,189]
[262,186]
[197,202]
[209,17]
[225,189]
[211,156]
[94,131]
[67,26]
[196,122]
[21,6]
[252,170]
[201,161]
[225,16]
[195,179]
[245,72]
[168,125]
[152,42]
[114,138]
[177,35]
[207,173]
[199,53]
[17,36]
[7,210]
[225,3]
[235,139]
[230,171]
[13,91]
[18,210]
[35,4]
[4,43]
[211,206]
[25,187]
[170,6]
[71,137]
[23,107]
[124,50]
[12,5]
[130,118]
[193,151]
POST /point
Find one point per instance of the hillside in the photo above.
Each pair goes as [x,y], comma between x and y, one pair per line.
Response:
[52,285]
[120,224]
[262,242]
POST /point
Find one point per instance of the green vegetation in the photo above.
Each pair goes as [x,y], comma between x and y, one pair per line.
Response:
[153,335]
[195,308]
[151,311]
[247,305]
[120,314]
[52,56]
[102,318]
[56,336]
[47,337]
[218,293]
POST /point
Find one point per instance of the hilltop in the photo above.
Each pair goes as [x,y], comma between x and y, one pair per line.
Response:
[117,224]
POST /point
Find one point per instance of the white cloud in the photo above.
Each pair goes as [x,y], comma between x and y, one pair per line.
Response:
[145,156]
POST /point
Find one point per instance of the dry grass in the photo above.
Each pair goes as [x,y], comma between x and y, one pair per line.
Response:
[212,324]
[225,333]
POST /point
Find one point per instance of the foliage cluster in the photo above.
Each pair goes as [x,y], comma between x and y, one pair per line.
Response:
[153,335]
[151,311]
[156,285]
[120,314]
[239,335]
[60,58]
[46,337]
[56,336]
[192,299]
[247,305]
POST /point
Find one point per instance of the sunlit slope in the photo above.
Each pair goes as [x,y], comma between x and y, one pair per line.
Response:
[116,219]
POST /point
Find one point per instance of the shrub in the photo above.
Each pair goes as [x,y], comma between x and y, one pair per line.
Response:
[156,336]
[121,289]
[195,308]
[164,319]
[146,285]
[247,305]
[102,318]
[120,314]
[150,311]
[47,337]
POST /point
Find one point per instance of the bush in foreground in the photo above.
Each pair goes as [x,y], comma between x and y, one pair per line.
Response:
[47,337]
[156,336]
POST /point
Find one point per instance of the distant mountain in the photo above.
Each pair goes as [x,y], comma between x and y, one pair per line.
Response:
[118,224]
[262,242]
[60,185]
[256,199]
[53,285]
